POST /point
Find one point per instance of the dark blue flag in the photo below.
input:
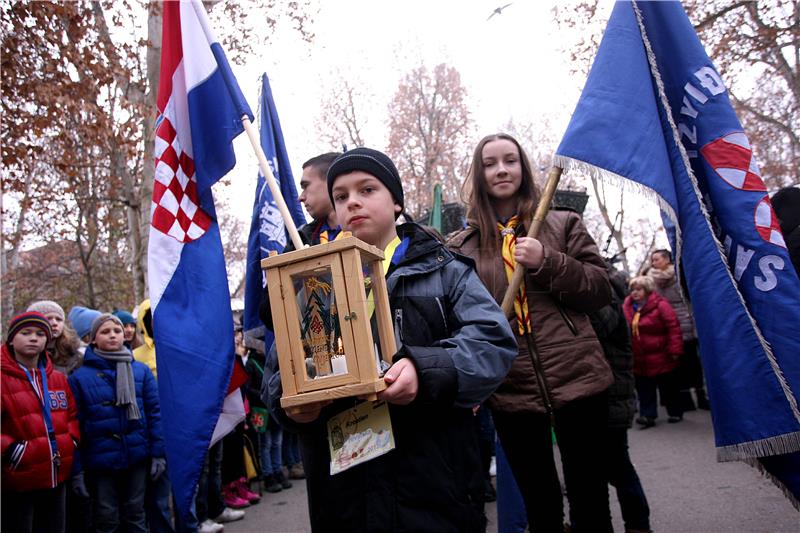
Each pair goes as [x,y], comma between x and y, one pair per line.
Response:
[267,230]
[655,115]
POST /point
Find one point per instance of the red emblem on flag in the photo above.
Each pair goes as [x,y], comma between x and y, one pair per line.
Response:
[767,223]
[732,159]
[176,205]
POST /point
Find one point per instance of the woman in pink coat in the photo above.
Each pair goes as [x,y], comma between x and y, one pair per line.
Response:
[657,346]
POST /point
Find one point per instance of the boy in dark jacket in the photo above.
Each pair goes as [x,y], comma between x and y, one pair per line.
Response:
[120,421]
[455,348]
[39,429]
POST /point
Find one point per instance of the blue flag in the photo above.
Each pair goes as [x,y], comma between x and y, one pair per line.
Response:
[200,109]
[655,115]
[267,230]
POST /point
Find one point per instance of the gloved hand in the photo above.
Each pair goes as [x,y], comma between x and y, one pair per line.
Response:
[13,456]
[157,467]
[78,485]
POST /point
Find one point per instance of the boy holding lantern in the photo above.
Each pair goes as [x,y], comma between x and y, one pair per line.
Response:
[455,348]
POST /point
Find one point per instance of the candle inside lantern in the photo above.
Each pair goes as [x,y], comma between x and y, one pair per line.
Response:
[339,364]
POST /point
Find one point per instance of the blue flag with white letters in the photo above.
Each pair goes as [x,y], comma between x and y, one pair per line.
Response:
[655,114]
[267,230]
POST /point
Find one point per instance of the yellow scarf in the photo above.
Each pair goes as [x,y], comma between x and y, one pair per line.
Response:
[635,322]
[388,254]
[323,236]
[521,299]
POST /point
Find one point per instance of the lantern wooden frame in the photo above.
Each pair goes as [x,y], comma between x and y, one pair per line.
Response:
[343,260]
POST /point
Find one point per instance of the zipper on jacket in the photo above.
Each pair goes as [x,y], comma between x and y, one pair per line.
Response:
[398,327]
[52,455]
[537,365]
[568,320]
[441,310]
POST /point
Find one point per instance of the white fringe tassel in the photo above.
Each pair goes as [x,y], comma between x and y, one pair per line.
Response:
[744,451]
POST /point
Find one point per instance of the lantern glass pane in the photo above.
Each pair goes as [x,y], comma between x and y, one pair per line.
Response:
[377,346]
[320,329]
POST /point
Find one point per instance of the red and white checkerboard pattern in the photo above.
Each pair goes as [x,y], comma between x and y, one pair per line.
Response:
[175,210]
[767,223]
[732,159]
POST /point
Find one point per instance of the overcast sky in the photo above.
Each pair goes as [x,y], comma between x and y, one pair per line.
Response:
[513,67]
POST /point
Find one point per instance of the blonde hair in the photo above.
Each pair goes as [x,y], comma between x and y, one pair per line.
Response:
[643,282]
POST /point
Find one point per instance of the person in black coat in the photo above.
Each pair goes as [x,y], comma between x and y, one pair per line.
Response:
[786,203]
[612,331]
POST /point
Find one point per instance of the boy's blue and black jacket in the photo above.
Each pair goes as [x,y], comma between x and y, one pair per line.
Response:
[109,441]
[462,346]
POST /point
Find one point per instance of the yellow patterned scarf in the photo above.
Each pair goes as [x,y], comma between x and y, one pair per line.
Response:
[323,236]
[521,299]
[635,322]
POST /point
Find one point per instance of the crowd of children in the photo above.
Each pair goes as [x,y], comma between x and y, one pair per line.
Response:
[82,442]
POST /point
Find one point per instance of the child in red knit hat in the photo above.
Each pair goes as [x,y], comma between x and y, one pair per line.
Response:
[40,429]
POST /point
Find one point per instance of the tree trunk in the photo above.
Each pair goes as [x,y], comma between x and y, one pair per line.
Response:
[148,168]
[616,234]
[9,258]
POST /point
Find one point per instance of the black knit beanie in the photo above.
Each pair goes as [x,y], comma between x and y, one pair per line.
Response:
[372,162]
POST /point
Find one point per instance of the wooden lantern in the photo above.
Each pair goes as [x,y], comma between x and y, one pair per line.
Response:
[322,311]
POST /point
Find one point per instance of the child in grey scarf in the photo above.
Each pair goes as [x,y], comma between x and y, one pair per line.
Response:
[106,346]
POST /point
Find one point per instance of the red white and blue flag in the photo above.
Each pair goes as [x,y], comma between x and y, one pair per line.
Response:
[200,109]
[655,114]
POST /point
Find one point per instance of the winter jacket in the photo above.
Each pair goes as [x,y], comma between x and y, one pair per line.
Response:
[792,238]
[612,331]
[146,353]
[667,286]
[255,372]
[461,346]
[27,454]
[571,282]
[659,344]
[110,440]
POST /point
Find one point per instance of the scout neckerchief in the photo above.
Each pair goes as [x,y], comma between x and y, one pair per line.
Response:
[636,316]
[328,234]
[393,254]
[521,298]
[44,403]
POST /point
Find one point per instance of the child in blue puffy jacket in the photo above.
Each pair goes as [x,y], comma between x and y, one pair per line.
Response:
[120,422]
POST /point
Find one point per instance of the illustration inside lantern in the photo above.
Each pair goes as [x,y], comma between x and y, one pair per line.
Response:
[320,327]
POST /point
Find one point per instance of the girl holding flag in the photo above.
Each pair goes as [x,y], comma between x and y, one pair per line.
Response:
[560,375]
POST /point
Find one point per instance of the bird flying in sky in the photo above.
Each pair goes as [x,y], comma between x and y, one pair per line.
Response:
[499,10]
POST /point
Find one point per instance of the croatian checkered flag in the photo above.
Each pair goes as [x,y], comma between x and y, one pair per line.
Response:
[200,113]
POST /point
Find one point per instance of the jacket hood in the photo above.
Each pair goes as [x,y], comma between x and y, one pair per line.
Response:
[10,366]
[144,308]
[425,252]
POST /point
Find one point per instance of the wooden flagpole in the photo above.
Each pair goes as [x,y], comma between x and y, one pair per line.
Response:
[538,218]
[273,184]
